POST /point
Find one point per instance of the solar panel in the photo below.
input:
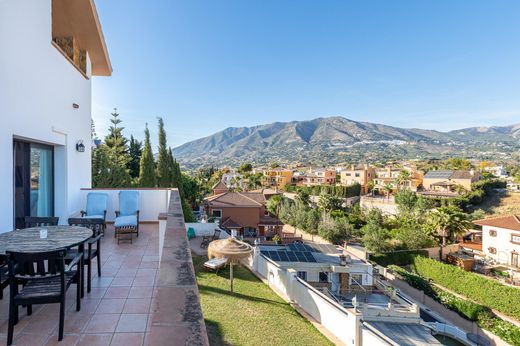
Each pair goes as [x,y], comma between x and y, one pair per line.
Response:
[308,248]
[309,257]
[300,256]
[292,247]
[292,256]
[283,256]
[274,255]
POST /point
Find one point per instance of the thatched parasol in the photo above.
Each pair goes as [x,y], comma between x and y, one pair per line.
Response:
[232,249]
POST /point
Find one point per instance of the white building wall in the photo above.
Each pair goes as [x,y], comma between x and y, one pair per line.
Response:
[502,243]
[343,323]
[37,89]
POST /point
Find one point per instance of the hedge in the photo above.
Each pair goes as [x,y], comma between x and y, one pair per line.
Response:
[469,310]
[488,292]
[400,258]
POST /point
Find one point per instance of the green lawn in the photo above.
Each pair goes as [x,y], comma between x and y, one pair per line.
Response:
[253,315]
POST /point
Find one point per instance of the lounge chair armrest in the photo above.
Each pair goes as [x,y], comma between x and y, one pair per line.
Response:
[104,215]
[83,213]
[117,213]
[75,261]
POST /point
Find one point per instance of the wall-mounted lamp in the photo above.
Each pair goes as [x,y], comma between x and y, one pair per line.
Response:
[342,260]
[80,147]
[75,106]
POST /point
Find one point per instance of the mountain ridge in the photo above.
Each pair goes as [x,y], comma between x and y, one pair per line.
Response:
[336,139]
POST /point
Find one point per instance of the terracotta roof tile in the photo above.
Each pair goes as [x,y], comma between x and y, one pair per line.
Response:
[508,222]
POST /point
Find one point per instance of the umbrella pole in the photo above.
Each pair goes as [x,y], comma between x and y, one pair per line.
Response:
[231,275]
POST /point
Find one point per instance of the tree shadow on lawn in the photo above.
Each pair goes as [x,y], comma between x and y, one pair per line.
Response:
[210,289]
[215,333]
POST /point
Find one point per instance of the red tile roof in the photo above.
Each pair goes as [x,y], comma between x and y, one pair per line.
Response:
[508,222]
[236,199]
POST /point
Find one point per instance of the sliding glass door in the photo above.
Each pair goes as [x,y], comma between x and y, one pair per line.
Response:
[33,180]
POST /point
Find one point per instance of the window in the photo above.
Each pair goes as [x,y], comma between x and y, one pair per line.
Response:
[324,277]
[302,275]
[217,213]
[492,233]
[357,175]
[347,174]
[356,279]
[492,250]
[515,238]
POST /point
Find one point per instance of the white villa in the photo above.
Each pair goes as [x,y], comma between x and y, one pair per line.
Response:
[501,239]
[55,47]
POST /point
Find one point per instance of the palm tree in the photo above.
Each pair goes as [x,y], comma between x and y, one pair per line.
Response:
[448,221]
[402,178]
[388,189]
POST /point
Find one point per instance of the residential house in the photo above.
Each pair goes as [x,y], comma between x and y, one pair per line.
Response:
[501,239]
[361,174]
[498,171]
[277,177]
[319,176]
[244,212]
[52,50]
[389,176]
[450,181]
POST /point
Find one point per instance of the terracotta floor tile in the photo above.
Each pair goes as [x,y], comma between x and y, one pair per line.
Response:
[95,340]
[137,306]
[127,272]
[143,281]
[103,281]
[25,339]
[132,323]
[122,281]
[140,292]
[117,292]
[110,306]
[68,340]
[128,339]
[96,293]
[102,323]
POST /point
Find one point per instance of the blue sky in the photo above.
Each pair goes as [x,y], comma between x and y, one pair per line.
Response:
[208,65]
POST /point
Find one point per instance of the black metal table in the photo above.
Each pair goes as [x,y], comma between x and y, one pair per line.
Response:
[57,237]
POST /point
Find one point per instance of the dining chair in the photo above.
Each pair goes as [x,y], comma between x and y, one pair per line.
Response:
[4,277]
[96,225]
[127,217]
[37,221]
[45,279]
[96,207]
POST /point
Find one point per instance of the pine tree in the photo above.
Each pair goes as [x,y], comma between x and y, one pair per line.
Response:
[135,151]
[117,155]
[163,159]
[147,163]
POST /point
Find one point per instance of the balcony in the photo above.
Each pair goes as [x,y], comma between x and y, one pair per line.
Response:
[142,297]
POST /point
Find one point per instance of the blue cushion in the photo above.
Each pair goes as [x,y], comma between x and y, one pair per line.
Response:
[96,203]
[93,217]
[125,221]
[128,202]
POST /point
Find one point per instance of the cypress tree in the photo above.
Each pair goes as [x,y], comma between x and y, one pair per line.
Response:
[163,159]
[135,151]
[147,163]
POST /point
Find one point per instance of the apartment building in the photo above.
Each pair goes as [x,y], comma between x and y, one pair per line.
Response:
[55,48]
[319,176]
[277,177]
[392,176]
[361,174]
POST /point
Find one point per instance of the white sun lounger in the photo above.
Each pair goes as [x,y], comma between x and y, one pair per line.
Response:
[215,263]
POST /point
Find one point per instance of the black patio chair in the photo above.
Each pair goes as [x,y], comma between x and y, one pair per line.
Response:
[4,277]
[45,280]
[209,238]
[97,226]
[34,221]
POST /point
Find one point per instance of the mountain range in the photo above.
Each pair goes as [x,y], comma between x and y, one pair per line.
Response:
[337,139]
